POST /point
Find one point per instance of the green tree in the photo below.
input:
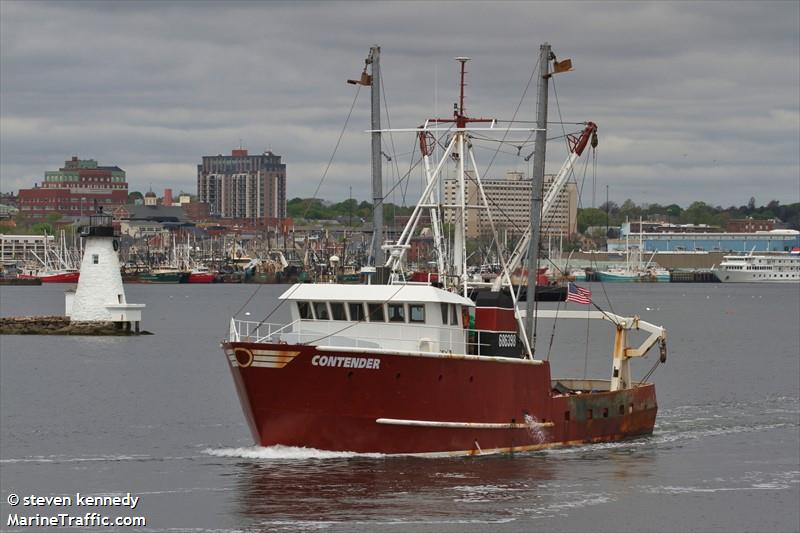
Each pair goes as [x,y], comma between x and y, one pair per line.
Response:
[700,213]
[673,211]
[42,228]
[590,216]
[629,210]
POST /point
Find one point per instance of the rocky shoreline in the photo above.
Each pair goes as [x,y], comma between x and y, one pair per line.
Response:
[61,325]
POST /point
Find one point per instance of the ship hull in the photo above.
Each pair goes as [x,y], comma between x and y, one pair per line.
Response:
[202,277]
[740,276]
[163,277]
[428,404]
[61,277]
[632,277]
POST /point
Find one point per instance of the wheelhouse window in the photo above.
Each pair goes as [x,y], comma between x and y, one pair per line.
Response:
[397,313]
[95,259]
[416,313]
[321,310]
[304,310]
[376,313]
[337,311]
[453,315]
[444,314]
[357,312]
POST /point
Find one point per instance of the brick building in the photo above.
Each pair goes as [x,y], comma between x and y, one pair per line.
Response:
[75,190]
[241,185]
[746,225]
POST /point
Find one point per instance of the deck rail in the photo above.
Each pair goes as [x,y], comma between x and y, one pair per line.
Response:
[352,334]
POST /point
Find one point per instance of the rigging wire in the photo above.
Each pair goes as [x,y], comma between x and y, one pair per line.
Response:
[514,116]
[602,285]
[308,206]
[280,303]
[391,138]
[501,151]
[650,372]
[248,300]
[335,148]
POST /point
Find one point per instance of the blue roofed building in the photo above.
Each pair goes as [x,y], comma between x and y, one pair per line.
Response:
[779,240]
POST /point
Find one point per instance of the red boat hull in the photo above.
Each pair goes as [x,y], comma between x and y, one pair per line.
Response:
[202,277]
[61,277]
[409,404]
[424,277]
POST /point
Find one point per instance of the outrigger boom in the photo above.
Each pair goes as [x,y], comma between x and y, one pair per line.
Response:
[620,371]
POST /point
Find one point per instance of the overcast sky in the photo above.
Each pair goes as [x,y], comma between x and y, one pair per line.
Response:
[694,100]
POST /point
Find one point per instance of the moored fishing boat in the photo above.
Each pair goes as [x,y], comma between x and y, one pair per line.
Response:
[163,275]
[4,280]
[444,368]
[202,275]
[53,276]
[633,274]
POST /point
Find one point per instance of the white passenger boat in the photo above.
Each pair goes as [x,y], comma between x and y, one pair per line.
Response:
[780,268]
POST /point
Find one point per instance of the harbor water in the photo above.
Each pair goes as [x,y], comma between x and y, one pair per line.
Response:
[158,417]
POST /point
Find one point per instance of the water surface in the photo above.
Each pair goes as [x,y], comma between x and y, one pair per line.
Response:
[158,416]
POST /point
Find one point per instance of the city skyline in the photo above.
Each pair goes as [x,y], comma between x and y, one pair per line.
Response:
[693,101]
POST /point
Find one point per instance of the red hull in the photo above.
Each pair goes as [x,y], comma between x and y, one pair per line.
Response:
[424,277]
[290,400]
[202,277]
[62,277]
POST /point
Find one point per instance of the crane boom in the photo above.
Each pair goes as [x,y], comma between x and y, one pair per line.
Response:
[577,146]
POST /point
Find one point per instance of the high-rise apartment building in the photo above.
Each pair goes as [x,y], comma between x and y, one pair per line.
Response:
[510,202]
[75,190]
[243,186]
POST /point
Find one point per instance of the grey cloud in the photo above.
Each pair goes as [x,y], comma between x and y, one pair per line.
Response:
[693,100]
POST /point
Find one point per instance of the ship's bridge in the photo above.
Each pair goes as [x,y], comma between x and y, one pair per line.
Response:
[403,318]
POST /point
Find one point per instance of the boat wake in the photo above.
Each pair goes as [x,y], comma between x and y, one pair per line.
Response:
[750,481]
[284,453]
[686,423]
[59,459]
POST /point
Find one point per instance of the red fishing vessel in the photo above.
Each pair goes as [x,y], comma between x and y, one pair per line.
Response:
[444,368]
[202,275]
[54,276]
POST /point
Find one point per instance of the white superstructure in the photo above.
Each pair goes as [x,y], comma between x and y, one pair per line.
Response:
[759,268]
[404,317]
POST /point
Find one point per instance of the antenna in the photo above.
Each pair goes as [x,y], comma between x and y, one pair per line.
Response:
[463,61]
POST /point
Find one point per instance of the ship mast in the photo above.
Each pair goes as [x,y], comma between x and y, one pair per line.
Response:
[537,191]
[374,60]
[459,255]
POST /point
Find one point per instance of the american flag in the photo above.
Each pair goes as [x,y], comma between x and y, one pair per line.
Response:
[579,295]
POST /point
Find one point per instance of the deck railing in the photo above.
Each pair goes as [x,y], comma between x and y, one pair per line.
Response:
[405,337]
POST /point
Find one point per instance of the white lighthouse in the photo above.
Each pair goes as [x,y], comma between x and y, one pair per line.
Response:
[100,296]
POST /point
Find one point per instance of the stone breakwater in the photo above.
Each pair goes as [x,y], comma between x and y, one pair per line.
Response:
[60,325]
